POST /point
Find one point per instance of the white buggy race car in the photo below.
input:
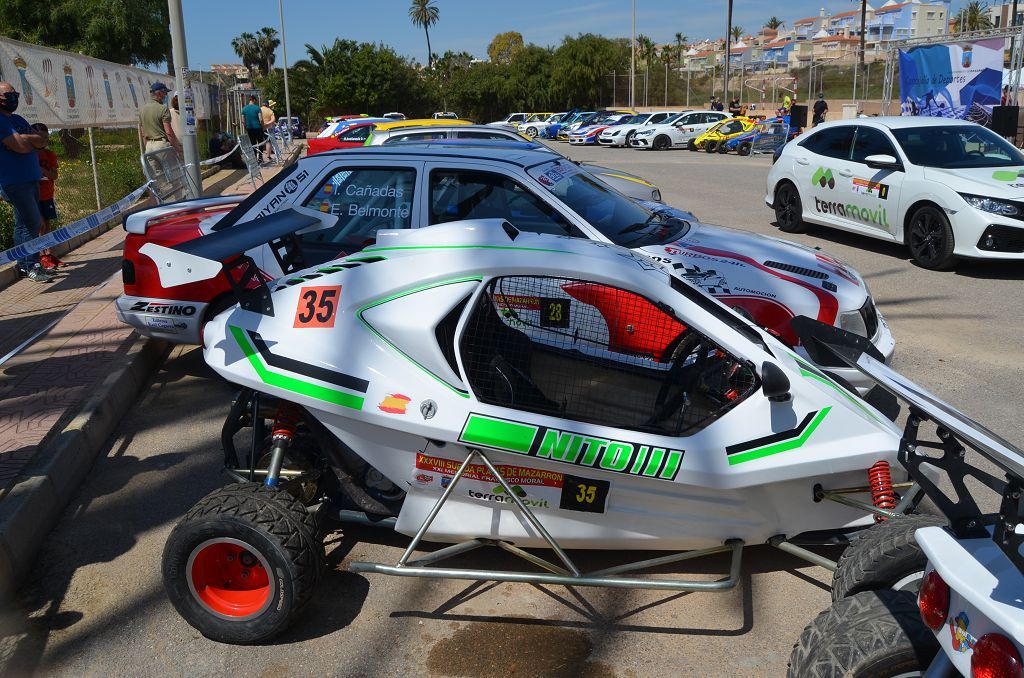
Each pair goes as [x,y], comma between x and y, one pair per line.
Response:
[476,385]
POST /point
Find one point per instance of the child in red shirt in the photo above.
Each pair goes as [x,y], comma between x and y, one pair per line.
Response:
[47,207]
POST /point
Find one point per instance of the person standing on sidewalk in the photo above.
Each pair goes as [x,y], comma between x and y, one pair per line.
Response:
[820,110]
[49,165]
[253,119]
[155,121]
[269,121]
[19,178]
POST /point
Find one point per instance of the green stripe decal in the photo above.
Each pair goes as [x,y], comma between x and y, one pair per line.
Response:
[784,446]
[292,384]
[811,372]
[503,435]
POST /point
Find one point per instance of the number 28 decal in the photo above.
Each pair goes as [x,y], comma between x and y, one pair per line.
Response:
[317,307]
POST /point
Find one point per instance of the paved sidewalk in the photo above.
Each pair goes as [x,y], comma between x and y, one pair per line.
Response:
[46,382]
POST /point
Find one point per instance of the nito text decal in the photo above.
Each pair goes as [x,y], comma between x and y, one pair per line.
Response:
[289,187]
[618,456]
[162,309]
[876,217]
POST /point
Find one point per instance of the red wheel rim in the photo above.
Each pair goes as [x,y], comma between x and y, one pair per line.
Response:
[230,578]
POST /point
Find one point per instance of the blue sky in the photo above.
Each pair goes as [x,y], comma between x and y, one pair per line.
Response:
[470,24]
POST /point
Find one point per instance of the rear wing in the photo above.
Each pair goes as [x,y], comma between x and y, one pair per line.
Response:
[225,252]
[954,431]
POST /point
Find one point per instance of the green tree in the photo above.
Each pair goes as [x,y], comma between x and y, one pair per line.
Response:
[424,13]
[504,47]
[267,44]
[247,48]
[736,32]
[680,41]
[581,66]
[972,17]
[774,23]
[122,31]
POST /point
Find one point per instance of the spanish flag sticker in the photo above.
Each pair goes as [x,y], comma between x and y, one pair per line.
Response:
[394,403]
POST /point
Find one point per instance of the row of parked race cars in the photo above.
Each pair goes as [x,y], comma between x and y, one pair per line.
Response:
[710,131]
[443,292]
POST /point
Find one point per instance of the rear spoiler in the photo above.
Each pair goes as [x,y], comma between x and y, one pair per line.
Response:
[138,222]
[224,251]
[954,430]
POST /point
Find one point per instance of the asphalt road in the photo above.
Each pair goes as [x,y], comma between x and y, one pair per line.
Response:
[95,605]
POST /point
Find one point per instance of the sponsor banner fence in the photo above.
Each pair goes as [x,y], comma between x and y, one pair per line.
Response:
[952,80]
[84,225]
[63,89]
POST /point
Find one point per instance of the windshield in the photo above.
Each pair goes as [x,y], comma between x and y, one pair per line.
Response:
[555,118]
[637,119]
[957,147]
[671,119]
[623,221]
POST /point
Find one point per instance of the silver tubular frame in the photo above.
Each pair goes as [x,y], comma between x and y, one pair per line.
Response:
[569,575]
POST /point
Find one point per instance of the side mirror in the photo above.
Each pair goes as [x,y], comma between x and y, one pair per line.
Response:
[883,162]
[774,382]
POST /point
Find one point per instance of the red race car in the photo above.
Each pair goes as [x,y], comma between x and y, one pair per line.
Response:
[347,136]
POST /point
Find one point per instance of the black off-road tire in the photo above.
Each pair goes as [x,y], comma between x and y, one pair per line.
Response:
[874,634]
[789,209]
[722,148]
[884,556]
[661,143]
[930,239]
[691,145]
[272,526]
[710,146]
[744,148]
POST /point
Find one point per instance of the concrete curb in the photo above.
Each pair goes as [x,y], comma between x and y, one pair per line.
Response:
[33,506]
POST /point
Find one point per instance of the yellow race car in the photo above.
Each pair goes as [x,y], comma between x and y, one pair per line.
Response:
[723,131]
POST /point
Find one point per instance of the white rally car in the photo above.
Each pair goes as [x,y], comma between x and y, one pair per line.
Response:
[536,125]
[679,132]
[945,188]
[409,186]
[621,135]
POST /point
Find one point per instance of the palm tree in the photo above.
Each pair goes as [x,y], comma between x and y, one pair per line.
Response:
[736,32]
[268,43]
[246,46]
[973,17]
[680,40]
[424,13]
[774,23]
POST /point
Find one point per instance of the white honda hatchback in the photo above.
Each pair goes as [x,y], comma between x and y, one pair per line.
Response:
[944,188]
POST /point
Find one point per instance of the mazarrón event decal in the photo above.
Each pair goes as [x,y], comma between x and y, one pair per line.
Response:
[957,80]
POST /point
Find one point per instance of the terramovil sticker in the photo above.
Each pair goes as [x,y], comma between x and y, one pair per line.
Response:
[537,488]
[579,449]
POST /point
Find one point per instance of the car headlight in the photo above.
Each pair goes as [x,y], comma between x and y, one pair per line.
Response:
[646,132]
[992,205]
[853,321]
[615,133]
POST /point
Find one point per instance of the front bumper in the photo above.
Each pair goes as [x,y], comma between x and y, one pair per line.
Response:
[581,141]
[972,227]
[173,320]
[619,140]
[640,142]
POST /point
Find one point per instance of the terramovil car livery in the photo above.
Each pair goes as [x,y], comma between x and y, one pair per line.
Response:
[622,134]
[412,186]
[473,384]
[678,132]
[944,188]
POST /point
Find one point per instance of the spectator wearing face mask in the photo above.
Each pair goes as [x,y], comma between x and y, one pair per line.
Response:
[19,178]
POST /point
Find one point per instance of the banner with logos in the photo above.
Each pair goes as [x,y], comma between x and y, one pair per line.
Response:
[953,80]
[63,89]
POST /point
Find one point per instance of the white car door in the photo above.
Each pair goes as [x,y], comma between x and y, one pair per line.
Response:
[872,196]
[686,128]
[816,164]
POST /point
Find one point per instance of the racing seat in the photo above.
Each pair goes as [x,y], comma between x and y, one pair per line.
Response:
[498,361]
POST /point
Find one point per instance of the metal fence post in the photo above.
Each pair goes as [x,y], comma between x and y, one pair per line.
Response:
[95,173]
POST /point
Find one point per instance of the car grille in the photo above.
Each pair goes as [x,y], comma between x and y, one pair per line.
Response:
[799,270]
[870,316]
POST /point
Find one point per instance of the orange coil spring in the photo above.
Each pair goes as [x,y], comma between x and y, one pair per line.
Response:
[285,420]
[880,481]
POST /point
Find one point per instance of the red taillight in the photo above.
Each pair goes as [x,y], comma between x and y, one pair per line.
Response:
[933,600]
[995,657]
